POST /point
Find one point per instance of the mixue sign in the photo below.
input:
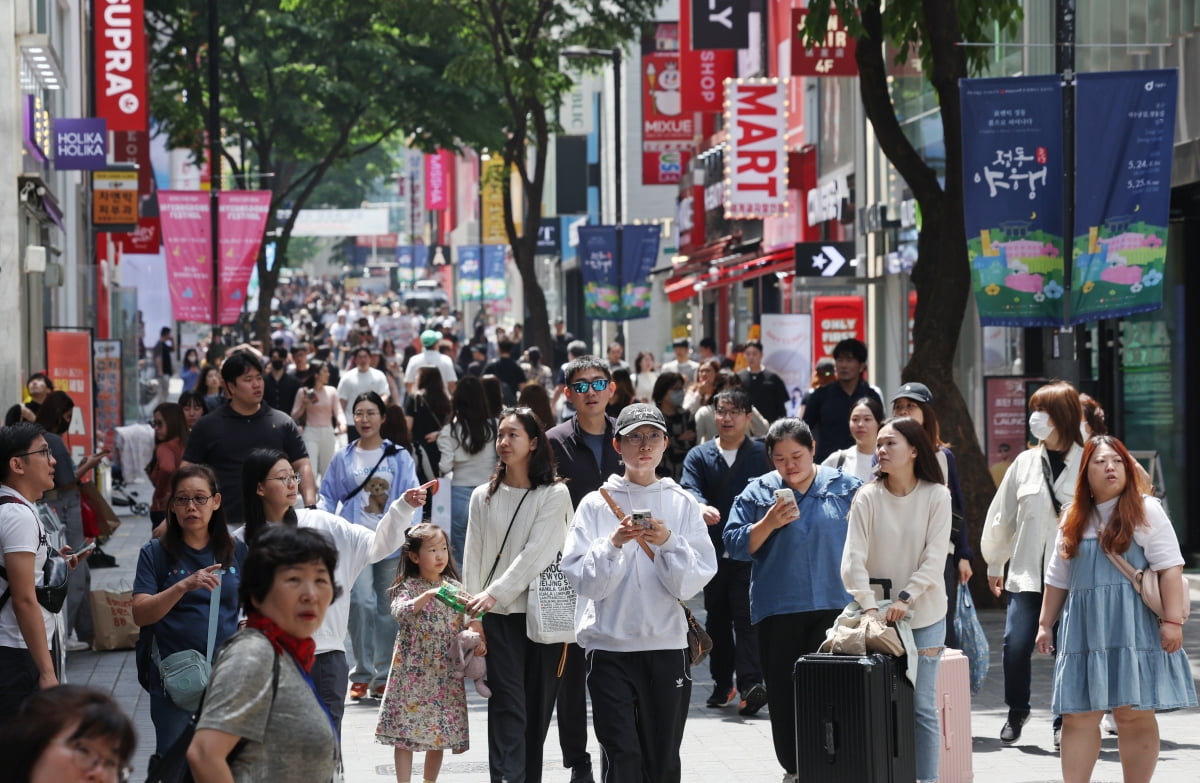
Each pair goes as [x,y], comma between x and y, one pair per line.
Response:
[756,167]
[120,63]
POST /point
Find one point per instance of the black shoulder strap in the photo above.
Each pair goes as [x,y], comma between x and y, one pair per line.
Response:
[841,459]
[388,450]
[1050,484]
[4,501]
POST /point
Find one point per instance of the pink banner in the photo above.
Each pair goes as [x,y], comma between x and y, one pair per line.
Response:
[437,180]
[243,216]
[187,238]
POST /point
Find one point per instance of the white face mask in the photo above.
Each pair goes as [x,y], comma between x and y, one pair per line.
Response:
[1040,425]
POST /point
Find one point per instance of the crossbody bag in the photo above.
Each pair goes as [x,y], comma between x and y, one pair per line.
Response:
[52,592]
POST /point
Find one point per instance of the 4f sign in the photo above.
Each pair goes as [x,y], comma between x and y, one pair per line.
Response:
[756,164]
[121,64]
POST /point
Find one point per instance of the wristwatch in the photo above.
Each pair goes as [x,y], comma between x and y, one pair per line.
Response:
[904,596]
[312,507]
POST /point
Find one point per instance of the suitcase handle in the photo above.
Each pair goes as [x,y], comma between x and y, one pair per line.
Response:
[886,584]
[828,744]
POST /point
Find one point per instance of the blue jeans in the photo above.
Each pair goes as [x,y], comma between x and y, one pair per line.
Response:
[372,628]
[169,720]
[460,506]
[928,734]
[1020,632]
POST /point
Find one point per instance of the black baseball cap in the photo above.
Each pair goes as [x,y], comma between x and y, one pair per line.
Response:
[640,415]
[913,391]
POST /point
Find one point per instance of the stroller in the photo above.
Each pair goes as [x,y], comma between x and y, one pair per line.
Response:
[134,445]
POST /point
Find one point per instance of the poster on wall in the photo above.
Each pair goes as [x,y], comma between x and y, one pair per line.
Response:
[836,318]
[107,375]
[666,127]
[787,349]
[1005,429]
[1125,131]
[69,365]
[1012,198]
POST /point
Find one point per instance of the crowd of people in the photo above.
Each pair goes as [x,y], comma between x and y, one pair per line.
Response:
[293,507]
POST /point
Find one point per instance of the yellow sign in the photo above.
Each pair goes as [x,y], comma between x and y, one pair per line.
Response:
[492,186]
[115,198]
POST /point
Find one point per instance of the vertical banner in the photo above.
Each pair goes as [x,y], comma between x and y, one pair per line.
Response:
[120,64]
[756,162]
[437,180]
[601,274]
[187,237]
[703,71]
[639,253]
[470,285]
[666,128]
[107,375]
[404,264]
[69,365]
[494,284]
[493,186]
[1125,132]
[787,349]
[1004,432]
[1013,198]
[836,318]
[243,217]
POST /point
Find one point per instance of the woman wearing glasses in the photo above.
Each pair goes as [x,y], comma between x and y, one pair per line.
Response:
[173,586]
[362,482]
[68,734]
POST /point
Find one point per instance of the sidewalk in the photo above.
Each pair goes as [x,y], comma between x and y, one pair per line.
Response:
[718,745]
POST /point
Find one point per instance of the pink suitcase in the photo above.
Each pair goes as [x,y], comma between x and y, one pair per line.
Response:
[954,708]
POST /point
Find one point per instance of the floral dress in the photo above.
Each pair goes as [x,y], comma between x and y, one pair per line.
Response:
[424,706]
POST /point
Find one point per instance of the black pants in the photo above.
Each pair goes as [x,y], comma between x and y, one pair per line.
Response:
[735,643]
[572,710]
[330,673]
[639,707]
[18,680]
[523,676]
[782,639]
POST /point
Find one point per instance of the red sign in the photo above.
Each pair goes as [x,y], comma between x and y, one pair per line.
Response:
[704,71]
[756,164]
[1004,432]
[187,235]
[134,147]
[144,240]
[437,180]
[243,216]
[833,57]
[121,81]
[666,128]
[664,168]
[379,241]
[836,318]
[69,365]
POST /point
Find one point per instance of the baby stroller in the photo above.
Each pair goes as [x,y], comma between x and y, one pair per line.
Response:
[134,445]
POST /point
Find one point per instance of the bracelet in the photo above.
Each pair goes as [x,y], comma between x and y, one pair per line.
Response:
[1172,622]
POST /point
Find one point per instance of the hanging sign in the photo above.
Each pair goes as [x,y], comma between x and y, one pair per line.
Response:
[756,164]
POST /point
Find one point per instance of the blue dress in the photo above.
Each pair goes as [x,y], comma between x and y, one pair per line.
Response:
[1109,651]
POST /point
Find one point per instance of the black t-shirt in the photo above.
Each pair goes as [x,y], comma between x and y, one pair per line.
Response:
[510,374]
[767,392]
[163,352]
[828,415]
[280,394]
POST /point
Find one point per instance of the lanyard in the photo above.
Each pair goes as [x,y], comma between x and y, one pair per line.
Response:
[313,687]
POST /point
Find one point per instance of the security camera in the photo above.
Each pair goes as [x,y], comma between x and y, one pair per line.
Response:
[41,191]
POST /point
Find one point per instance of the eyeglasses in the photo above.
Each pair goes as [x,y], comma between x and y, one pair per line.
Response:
[288,481]
[367,414]
[87,759]
[723,412]
[44,452]
[637,438]
[200,501]
[581,387]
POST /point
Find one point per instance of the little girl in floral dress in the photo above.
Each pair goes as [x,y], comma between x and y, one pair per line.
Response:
[424,706]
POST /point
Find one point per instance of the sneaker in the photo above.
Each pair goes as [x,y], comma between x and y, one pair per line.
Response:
[74,645]
[721,696]
[582,774]
[377,691]
[358,690]
[1108,725]
[1012,727]
[1058,737]
[755,698]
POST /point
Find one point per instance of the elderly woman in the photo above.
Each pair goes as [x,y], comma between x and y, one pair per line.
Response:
[1113,653]
[68,734]
[261,690]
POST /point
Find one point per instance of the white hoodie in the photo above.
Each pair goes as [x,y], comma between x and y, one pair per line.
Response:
[628,603]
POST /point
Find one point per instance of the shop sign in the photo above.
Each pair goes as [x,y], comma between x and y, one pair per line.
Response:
[144,240]
[824,202]
[120,63]
[824,259]
[69,363]
[549,238]
[36,128]
[667,130]
[836,318]
[80,144]
[437,180]
[720,24]
[115,200]
[833,56]
[756,166]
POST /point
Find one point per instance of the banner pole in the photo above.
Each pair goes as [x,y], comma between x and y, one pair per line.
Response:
[214,155]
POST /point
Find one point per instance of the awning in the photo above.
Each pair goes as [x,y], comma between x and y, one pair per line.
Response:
[680,288]
[780,261]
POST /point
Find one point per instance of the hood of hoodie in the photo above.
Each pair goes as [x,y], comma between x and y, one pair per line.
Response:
[629,495]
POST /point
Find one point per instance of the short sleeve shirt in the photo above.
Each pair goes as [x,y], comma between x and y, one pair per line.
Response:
[373,500]
[20,531]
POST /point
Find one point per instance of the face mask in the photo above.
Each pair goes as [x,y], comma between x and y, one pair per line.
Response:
[1039,425]
[1083,430]
[277,364]
[677,397]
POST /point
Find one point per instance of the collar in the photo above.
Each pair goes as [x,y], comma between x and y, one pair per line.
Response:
[609,427]
[228,411]
[303,651]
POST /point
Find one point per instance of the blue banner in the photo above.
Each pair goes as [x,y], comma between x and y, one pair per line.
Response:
[1125,131]
[639,253]
[470,282]
[1013,198]
[601,272]
[494,286]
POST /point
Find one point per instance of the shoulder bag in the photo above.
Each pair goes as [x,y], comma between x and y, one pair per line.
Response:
[185,673]
[550,607]
[52,592]
[1147,583]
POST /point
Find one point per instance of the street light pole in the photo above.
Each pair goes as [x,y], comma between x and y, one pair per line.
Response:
[214,156]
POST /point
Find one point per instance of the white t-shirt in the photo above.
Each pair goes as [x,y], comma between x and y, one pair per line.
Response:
[428,358]
[354,383]
[1157,538]
[373,499]
[21,531]
[857,464]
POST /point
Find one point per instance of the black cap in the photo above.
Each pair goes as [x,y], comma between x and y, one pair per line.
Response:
[681,342]
[913,391]
[640,415]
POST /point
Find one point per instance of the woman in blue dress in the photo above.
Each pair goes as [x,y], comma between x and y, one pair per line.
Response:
[1113,653]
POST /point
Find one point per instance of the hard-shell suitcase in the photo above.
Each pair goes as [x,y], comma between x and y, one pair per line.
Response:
[854,719]
[954,710]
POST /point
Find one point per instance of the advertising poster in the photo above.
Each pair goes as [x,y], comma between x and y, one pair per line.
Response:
[1125,131]
[1005,427]
[69,365]
[639,252]
[187,237]
[243,218]
[1013,198]
[494,284]
[666,128]
[469,283]
[756,162]
[601,272]
[787,349]
[107,375]
[836,318]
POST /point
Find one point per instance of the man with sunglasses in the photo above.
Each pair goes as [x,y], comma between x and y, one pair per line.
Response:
[584,457]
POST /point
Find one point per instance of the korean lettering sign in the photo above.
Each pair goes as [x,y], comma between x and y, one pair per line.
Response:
[1012,197]
[115,200]
[833,56]
[666,129]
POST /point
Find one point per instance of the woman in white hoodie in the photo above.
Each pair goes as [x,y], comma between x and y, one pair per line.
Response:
[630,576]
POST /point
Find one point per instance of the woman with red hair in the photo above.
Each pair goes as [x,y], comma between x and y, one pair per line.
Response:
[1113,653]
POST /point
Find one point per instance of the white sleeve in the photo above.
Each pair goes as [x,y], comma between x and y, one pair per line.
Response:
[389,536]
[1058,568]
[1158,537]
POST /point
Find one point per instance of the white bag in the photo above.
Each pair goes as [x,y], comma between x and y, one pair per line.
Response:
[550,610]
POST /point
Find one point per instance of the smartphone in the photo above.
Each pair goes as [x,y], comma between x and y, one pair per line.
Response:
[84,551]
[641,517]
[312,395]
[785,495]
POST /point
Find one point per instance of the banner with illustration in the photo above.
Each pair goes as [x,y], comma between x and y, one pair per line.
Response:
[187,240]
[639,253]
[601,272]
[1013,198]
[243,217]
[469,282]
[494,285]
[1125,129]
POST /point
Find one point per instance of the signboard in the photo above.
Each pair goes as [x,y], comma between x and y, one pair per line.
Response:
[469,282]
[549,239]
[756,166]
[134,147]
[704,71]
[493,187]
[144,240]
[639,253]
[115,200]
[69,365]
[337,222]
[834,56]
[836,318]
[80,144]
[1005,428]
[667,130]
[601,272]
[719,24]
[494,283]
[187,237]
[36,127]
[243,218]
[824,259]
[120,64]
[787,349]
[107,374]
[437,180]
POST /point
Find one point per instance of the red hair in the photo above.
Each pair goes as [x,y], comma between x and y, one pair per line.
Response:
[1130,512]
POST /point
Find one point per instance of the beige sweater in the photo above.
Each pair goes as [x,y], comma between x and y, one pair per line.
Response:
[904,539]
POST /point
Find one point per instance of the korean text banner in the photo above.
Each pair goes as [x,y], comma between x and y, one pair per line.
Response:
[1125,129]
[1013,198]
[187,237]
[469,283]
[601,274]
[69,365]
[494,287]
[639,252]
[243,215]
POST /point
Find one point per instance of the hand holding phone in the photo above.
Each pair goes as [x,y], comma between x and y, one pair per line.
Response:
[84,551]
[641,517]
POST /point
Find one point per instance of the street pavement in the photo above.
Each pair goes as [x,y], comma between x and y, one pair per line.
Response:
[718,745]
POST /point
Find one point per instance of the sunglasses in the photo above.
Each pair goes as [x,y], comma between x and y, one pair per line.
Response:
[581,387]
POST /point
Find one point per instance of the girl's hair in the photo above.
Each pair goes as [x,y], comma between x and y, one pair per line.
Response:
[255,469]
[56,405]
[471,424]
[218,531]
[929,422]
[711,364]
[314,369]
[278,547]
[46,713]
[874,406]
[1061,400]
[535,397]
[192,397]
[194,361]
[541,461]
[415,538]
[725,380]
[1093,414]
[374,399]
[432,389]
[624,391]
[925,467]
[788,429]
[395,427]
[664,385]
[637,363]
[175,423]
[1129,513]
[493,395]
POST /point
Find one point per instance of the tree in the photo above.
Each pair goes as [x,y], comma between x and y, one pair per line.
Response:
[514,47]
[934,28]
[307,85]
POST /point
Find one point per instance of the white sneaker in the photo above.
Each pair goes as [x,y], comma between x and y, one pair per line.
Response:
[74,645]
[1108,725]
